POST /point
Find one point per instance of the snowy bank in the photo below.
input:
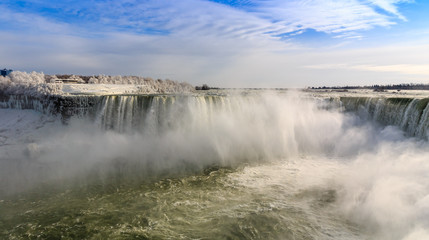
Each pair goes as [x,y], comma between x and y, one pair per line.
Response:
[38,84]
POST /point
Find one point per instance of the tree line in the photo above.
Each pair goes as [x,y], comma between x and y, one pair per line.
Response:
[403,86]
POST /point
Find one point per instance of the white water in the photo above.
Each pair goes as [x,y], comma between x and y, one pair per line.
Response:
[412,115]
[288,143]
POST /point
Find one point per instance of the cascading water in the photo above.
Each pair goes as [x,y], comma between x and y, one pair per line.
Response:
[126,113]
[412,115]
[25,102]
[250,165]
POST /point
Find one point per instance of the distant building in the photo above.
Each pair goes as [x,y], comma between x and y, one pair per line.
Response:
[5,72]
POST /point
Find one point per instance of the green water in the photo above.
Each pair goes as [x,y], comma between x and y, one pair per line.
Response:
[218,203]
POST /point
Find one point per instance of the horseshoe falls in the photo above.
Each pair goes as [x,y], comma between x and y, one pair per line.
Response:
[215,164]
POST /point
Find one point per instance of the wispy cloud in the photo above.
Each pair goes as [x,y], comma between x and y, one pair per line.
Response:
[390,6]
[331,16]
[31,22]
[230,19]
[250,19]
[229,42]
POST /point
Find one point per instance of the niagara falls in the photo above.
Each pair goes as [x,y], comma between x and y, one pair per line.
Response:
[214,119]
[245,164]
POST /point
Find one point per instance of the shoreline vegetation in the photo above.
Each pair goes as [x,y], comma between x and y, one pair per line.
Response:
[378,88]
[38,84]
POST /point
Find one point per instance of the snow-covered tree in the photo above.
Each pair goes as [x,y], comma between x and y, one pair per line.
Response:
[39,84]
[30,84]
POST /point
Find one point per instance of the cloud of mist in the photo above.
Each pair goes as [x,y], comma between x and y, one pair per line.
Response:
[380,180]
[386,190]
[191,134]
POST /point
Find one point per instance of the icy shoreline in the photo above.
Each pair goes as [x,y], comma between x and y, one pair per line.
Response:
[40,85]
[369,93]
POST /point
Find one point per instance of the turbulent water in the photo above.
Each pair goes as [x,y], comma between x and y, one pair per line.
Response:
[249,165]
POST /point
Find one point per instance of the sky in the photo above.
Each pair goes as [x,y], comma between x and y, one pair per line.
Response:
[222,43]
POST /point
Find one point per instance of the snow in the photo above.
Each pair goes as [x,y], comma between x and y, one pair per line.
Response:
[39,85]
[21,128]
[98,89]
[29,84]
[21,131]
[369,93]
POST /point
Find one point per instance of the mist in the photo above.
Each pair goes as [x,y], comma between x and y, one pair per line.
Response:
[379,174]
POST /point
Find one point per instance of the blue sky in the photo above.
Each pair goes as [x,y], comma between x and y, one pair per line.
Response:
[231,43]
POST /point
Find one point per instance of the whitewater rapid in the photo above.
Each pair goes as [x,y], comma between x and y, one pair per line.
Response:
[252,165]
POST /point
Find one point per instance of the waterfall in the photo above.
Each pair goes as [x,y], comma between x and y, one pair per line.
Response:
[26,102]
[410,114]
[157,113]
[249,157]
[154,113]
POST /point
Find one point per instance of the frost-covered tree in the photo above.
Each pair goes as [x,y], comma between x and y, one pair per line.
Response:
[30,84]
[39,84]
[93,80]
